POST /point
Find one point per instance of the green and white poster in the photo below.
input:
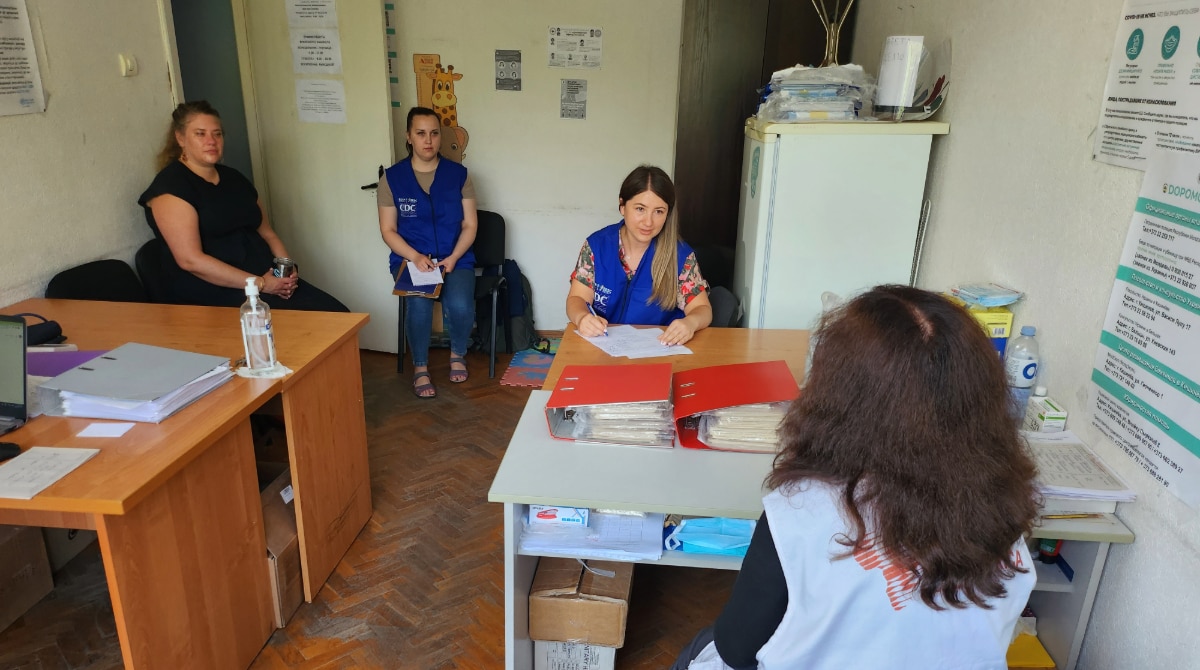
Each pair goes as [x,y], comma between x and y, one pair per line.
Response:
[1147,368]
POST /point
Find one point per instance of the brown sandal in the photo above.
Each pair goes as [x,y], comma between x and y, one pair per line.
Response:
[423,390]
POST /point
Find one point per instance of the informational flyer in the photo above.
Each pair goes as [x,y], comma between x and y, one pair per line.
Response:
[20,78]
[316,51]
[1152,96]
[321,100]
[573,99]
[508,70]
[312,13]
[1147,367]
[575,46]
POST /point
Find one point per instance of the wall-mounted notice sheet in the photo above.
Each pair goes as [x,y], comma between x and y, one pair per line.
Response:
[1152,96]
[20,78]
[1147,369]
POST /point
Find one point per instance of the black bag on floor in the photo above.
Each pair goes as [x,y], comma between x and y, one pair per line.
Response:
[520,315]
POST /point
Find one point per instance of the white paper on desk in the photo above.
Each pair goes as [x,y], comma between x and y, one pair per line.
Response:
[30,473]
[615,537]
[422,278]
[1067,468]
[625,340]
[105,430]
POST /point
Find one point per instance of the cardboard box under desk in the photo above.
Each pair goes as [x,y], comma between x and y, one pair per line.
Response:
[570,604]
[24,571]
[572,656]
[283,547]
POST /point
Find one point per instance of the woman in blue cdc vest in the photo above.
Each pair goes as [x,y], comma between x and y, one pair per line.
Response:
[638,271]
[428,219]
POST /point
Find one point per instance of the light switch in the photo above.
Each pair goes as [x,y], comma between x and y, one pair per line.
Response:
[128,64]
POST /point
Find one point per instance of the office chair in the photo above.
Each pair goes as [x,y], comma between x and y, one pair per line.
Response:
[107,279]
[489,253]
[726,308]
[150,268]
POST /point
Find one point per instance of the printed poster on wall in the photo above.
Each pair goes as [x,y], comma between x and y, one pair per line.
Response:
[312,13]
[316,51]
[20,78]
[572,103]
[1152,97]
[575,46]
[1147,367]
[321,100]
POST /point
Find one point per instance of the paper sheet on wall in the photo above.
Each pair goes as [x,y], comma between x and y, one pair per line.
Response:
[321,100]
[1151,99]
[575,46]
[1146,391]
[573,99]
[312,13]
[20,78]
[316,51]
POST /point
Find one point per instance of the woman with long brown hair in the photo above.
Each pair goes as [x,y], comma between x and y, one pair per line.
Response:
[638,270]
[894,532]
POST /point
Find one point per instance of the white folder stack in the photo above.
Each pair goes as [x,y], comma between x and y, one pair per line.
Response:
[134,382]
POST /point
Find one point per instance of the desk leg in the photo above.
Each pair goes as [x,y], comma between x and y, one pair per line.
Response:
[187,568]
[327,444]
[518,577]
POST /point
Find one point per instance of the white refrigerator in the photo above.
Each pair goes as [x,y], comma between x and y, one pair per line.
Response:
[827,207]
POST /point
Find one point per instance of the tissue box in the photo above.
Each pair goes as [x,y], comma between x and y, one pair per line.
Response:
[997,322]
[1043,415]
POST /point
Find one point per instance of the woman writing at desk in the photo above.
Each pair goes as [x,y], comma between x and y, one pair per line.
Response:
[893,537]
[213,225]
[638,271]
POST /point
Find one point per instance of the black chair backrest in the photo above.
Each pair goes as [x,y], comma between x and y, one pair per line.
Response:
[107,279]
[726,308]
[489,239]
[149,262]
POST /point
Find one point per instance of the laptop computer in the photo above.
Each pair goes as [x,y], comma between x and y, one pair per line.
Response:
[12,373]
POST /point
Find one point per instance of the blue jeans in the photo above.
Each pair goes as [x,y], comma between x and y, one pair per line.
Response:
[458,314]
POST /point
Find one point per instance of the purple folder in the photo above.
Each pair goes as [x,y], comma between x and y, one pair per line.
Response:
[54,363]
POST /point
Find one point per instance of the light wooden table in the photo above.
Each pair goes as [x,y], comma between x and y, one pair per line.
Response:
[538,469]
[176,504]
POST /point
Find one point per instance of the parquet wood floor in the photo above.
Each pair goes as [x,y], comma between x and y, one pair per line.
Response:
[423,585]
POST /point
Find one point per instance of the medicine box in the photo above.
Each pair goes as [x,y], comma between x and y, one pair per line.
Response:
[997,322]
[570,604]
[1044,415]
[572,656]
[554,514]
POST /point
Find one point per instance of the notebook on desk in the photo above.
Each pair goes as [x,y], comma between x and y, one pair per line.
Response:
[13,408]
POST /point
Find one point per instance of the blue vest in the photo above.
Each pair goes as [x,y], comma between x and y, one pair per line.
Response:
[623,300]
[416,209]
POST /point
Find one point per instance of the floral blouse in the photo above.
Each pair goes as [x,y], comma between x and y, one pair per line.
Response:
[691,284]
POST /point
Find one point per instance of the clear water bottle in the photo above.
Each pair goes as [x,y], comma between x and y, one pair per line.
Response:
[256,329]
[1020,366]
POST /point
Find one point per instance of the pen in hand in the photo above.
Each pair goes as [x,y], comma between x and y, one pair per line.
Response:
[593,313]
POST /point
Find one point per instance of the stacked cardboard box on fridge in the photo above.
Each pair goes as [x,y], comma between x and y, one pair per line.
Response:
[24,571]
[577,616]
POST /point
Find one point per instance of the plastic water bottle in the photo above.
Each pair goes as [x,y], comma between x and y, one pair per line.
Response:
[256,329]
[1021,366]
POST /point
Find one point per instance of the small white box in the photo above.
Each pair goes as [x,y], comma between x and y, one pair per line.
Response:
[572,656]
[555,514]
[1044,415]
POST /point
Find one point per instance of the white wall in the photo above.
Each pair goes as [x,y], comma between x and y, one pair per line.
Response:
[554,180]
[71,176]
[1017,199]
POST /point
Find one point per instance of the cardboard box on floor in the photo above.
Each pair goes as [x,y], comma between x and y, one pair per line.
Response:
[24,571]
[570,604]
[283,547]
[572,656]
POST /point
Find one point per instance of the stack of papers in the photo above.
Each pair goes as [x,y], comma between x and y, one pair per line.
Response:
[1067,468]
[30,473]
[609,536]
[815,94]
[633,342]
[752,428]
[134,382]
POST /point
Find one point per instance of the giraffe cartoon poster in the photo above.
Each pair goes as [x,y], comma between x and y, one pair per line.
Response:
[435,89]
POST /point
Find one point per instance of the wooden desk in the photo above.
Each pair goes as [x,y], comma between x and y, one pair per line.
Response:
[176,504]
[538,469]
